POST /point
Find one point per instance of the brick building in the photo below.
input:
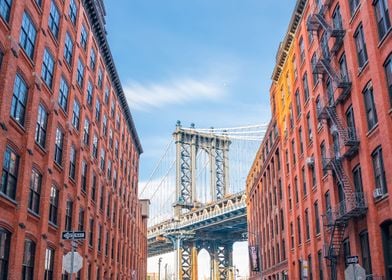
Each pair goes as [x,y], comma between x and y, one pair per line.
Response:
[331,100]
[68,145]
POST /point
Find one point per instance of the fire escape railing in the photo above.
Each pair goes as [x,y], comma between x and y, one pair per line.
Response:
[353,204]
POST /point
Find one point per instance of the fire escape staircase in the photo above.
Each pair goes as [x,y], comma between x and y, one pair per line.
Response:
[323,66]
[352,206]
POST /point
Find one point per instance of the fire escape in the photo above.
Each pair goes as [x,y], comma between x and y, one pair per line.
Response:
[352,204]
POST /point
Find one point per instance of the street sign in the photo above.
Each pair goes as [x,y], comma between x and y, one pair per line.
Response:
[77,262]
[352,260]
[75,235]
[355,272]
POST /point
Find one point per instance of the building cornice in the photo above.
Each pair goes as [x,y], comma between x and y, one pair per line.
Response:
[100,35]
[285,46]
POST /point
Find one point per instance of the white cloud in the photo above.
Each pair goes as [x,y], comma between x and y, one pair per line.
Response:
[155,95]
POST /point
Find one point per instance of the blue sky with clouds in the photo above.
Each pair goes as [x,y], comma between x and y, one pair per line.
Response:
[202,61]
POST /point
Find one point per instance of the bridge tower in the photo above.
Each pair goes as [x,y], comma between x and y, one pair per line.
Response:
[188,142]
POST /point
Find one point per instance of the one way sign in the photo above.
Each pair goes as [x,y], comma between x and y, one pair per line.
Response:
[74,235]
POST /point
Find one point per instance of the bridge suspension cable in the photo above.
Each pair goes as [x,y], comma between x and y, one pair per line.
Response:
[160,188]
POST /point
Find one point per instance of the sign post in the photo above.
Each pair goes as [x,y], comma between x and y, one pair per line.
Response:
[73,235]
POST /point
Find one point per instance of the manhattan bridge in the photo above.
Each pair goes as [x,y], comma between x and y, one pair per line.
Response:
[197,196]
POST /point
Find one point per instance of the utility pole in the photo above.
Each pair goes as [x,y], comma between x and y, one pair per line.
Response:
[159,268]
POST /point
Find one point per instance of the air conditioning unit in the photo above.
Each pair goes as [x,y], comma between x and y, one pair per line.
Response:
[310,161]
[377,193]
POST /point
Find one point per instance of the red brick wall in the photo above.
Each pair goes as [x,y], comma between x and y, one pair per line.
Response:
[379,210]
[129,228]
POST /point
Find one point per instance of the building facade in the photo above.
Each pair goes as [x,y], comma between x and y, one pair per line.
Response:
[68,146]
[331,99]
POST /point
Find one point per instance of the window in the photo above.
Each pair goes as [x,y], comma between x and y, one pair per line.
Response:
[47,68]
[54,19]
[343,69]
[388,73]
[19,100]
[379,171]
[81,219]
[102,163]
[351,123]
[314,65]
[49,263]
[382,17]
[5,244]
[5,7]
[100,78]
[73,11]
[299,230]
[109,172]
[1,57]
[68,48]
[302,49]
[293,151]
[58,147]
[337,19]
[28,260]
[76,115]
[99,238]
[83,37]
[28,33]
[94,188]
[346,250]
[72,163]
[313,174]
[63,94]
[86,132]
[93,59]
[296,189]
[361,46]
[53,205]
[297,103]
[309,124]
[89,93]
[354,4]
[80,73]
[106,95]
[68,215]
[317,217]
[320,264]
[323,152]
[357,178]
[91,232]
[101,198]
[84,176]
[107,244]
[306,87]
[40,129]
[9,176]
[386,231]
[290,200]
[104,125]
[310,267]
[371,112]
[292,235]
[95,146]
[304,181]
[35,191]
[365,251]
[97,110]
[307,227]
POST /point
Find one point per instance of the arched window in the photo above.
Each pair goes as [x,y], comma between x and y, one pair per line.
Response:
[28,260]
[5,241]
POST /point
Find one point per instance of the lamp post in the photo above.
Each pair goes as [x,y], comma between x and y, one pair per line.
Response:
[165,271]
[159,268]
[258,252]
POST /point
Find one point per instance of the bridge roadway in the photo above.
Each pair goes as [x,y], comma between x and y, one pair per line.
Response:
[221,221]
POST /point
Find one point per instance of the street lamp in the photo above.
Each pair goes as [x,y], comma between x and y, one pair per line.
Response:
[254,254]
[159,268]
[165,271]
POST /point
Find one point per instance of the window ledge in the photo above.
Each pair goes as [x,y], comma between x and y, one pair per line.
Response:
[383,39]
[381,199]
[33,214]
[363,68]
[53,226]
[18,126]
[40,149]
[9,200]
[372,131]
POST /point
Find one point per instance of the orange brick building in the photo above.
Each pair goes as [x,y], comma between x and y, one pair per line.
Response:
[68,146]
[331,101]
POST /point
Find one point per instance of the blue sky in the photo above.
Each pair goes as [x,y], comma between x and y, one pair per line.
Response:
[202,61]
